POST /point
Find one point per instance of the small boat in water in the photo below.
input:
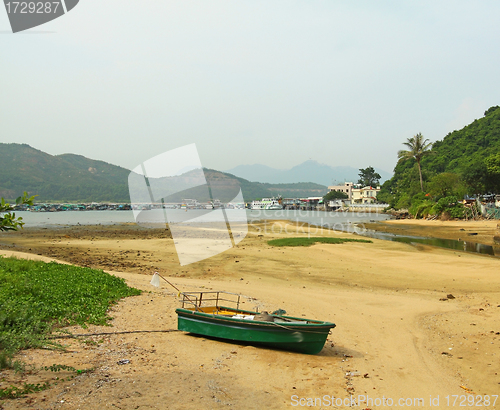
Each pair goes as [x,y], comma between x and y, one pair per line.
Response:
[203,313]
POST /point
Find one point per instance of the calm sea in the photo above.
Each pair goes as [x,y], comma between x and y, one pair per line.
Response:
[336,220]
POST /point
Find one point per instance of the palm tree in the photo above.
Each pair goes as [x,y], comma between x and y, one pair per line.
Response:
[418,147]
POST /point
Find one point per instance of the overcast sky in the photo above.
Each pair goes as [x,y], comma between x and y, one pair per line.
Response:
[249,81]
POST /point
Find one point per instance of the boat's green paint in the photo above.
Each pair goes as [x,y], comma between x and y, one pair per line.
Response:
[307,337]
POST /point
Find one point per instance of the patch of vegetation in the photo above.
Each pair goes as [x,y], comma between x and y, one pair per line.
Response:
[424,205]
[14,392]
[58,367]
[38,298]
[8,220]
[312,241]
[332,195]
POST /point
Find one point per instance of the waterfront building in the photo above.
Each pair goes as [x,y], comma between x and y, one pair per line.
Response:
[365,195]
[346,188]
[357,194]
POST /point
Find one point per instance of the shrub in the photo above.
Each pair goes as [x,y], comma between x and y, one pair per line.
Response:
[451,206]
[421,209]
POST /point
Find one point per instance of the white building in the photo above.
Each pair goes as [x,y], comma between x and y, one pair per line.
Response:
[356,194]
[346,189]
[366,195]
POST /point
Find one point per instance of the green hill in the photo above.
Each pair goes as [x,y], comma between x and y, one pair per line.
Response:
[460,149]
[466,161]
[75,178]
[61,178]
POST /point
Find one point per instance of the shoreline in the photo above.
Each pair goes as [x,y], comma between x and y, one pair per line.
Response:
[482,231]
[388,300]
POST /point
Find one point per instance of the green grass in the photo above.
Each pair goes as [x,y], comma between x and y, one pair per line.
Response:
[312,241]
[37,298]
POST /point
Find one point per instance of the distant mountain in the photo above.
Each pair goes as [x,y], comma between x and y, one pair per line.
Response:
[75,178]
[309,171]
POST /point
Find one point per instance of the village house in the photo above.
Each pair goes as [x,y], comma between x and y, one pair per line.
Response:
[346,188]
[365,195]
[357,194]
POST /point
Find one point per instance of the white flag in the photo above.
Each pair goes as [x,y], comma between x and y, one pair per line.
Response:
[156,280]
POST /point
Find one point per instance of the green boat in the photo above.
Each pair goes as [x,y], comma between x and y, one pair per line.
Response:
[203,313]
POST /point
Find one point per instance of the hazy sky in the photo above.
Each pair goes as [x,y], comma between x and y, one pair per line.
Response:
[249,81]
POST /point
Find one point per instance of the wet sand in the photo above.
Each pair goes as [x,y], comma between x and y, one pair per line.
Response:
[472,231]
[398,335]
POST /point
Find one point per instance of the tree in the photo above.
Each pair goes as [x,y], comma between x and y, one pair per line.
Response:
[483,177]
[330,196]
[8,221]
[368,177]
[491,109]
[493,164]
[493,167]
[446,184]
[418,147]
[475,176]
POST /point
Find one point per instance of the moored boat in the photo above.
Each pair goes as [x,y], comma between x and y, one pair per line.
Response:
[257,205]
[203,313]
[267,203]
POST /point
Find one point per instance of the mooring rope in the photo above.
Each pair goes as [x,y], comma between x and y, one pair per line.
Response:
[297,330]
[112,333]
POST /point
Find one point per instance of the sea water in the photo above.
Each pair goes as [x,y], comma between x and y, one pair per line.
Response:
[331,220]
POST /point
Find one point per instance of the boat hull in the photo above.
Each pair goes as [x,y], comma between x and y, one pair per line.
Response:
[306,337]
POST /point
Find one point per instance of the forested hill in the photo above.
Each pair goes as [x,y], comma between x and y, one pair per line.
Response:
[64,177]
[472,144]
[466,161]
[74,178]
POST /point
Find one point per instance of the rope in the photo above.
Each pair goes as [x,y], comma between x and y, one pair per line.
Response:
[297,330]
[112,333]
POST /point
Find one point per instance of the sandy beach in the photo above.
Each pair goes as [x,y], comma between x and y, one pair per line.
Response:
[415,325]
